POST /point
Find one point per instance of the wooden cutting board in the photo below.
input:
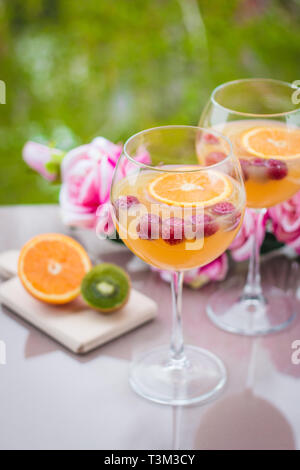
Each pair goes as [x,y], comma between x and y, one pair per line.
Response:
[74,325]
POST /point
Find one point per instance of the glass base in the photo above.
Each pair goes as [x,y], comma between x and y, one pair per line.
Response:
[197,379]
[229,311]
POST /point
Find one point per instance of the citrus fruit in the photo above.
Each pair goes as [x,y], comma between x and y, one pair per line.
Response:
[106,287]
[191,189]
[273,142]
[52,266]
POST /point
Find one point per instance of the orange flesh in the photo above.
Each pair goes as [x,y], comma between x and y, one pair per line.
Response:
[264,194]
[52,269]
[273,142]
[190,189]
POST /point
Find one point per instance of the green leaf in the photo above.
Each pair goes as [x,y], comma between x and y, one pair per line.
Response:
[53,166]
[270,243]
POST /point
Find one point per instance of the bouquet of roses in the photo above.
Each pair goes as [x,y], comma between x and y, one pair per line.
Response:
[86,175]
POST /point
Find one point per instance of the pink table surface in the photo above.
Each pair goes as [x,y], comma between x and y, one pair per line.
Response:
[53,399]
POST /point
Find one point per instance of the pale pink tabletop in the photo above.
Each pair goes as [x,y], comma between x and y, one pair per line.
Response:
[52,399]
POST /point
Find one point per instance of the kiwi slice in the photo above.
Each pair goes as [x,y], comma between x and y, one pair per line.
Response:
[106,287]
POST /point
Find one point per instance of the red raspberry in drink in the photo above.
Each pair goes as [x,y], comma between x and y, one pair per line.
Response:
[210,226]
[214,157]
[223,208]
[203,224]
[210,139]
[149,227]
[125,202]
[173,230]
[277,169]
[258,162]
[233,216]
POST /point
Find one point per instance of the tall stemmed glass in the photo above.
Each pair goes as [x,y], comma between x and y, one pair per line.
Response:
[176,214]
[263,124]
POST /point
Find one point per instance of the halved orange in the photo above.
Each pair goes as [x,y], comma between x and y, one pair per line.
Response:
[191,189]
[273,142]
[52,266]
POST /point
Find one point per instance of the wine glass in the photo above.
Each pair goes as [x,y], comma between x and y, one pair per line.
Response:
[263,124]
[176,214]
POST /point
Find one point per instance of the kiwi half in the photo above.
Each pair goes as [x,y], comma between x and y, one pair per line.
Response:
[106,287]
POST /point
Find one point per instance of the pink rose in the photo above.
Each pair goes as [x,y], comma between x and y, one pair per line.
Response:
[106,147]
[286,221]
[214,271]
[105,225]
[198,277]
[241,247]
[86,175]
[39,157]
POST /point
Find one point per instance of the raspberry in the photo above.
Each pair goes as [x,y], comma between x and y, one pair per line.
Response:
[258,162]
[277,170]
[223,208]
[149,227]
[173,230]
[210,139]
[214,157]
[203,225]
[125,202]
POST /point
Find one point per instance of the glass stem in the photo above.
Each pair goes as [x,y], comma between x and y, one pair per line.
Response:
[177,343]
[253,288]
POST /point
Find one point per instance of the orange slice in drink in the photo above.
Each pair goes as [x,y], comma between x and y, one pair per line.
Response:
[273,142]
[191,189]
[52,266]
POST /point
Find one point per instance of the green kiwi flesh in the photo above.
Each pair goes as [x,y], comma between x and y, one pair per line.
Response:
[106,287]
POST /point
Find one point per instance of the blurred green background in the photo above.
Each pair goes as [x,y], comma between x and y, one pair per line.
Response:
[78,69]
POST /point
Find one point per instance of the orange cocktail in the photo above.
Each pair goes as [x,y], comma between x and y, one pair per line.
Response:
[269,154]
[178,221]
[177,215]
[261,118]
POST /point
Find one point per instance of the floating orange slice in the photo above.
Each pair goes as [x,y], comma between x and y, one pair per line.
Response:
[273,142]
[191,189]
[52,266]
